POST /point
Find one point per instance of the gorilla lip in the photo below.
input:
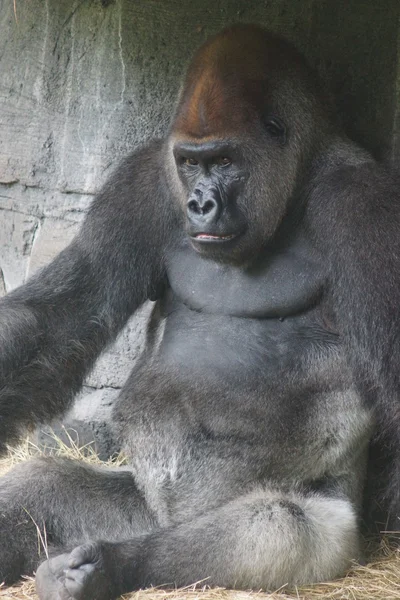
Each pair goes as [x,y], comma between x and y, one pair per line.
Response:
[208,237]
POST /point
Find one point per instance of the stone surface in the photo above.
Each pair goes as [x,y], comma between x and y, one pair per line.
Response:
[83,83]
[52,236]
[17,235]
[88,422]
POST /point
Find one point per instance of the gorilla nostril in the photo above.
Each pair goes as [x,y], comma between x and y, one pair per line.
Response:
[198,207]
[194,207]
[208,206]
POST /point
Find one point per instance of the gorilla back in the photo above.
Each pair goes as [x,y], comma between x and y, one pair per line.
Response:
[247,419]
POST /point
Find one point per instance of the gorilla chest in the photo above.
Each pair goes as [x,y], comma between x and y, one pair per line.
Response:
[242,322]
[276,285]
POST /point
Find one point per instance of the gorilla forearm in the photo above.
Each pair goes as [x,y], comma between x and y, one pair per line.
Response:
[51,334]
[53,328]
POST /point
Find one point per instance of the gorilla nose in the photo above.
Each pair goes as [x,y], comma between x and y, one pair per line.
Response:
[204,209]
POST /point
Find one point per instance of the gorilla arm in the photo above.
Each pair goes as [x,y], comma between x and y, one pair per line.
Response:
[53,328]
[354,217]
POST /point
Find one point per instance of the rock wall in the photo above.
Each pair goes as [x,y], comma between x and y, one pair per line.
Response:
[83,82]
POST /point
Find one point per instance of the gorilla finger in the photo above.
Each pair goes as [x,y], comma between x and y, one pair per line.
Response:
[81,574]
[87,553]
[75,590]
[85,583]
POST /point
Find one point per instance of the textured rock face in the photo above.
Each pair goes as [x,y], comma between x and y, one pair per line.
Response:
[83,83]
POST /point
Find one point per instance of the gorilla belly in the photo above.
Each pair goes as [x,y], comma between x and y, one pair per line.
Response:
[218,404]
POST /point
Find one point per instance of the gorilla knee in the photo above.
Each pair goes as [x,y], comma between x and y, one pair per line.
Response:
[296,540]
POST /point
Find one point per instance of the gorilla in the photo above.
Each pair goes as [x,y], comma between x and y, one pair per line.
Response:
[270,244]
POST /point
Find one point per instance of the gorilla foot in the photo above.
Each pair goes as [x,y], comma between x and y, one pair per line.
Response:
[50,578]
[80,575]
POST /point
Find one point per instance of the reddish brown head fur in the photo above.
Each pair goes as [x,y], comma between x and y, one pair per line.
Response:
[232,81]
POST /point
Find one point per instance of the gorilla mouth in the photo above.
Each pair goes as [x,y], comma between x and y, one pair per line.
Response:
[208,237]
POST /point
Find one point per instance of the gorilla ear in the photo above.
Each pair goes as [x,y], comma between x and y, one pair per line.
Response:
[275,128]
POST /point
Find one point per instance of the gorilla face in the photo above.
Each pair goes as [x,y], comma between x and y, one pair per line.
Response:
[214,175]
[222,187]
[242,139]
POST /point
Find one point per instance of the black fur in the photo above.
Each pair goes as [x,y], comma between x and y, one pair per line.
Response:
[270,243]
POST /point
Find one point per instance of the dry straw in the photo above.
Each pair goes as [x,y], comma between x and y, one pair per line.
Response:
[378,580]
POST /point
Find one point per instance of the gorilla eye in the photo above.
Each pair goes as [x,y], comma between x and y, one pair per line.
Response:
[223,161]
[275,128]
[191,162]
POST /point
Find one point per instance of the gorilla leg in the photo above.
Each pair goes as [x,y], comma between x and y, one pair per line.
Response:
[263,540]
[62,503]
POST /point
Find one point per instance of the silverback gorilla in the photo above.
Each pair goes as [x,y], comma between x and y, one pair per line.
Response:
[271,246]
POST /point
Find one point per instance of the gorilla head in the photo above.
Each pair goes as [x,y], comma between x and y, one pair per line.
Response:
[250,118]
